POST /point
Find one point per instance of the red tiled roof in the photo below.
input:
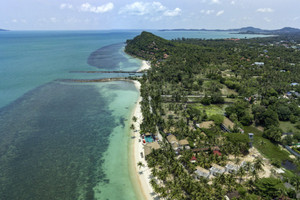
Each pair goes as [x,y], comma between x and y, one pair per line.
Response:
[217,153]
[193,158]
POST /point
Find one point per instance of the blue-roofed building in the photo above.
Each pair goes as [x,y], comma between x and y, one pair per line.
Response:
[294,84]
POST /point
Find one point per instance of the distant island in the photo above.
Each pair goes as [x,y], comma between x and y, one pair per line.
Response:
[246,30]
[3,29]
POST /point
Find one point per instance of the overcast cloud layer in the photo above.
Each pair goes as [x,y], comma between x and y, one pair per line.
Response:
[130,14]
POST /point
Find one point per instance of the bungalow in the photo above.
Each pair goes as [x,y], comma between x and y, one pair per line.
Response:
[203,134]
[231,167]
[193,159]
[259,63]
[294,84]
[150,146]
[227,125]
[217,153]
[201,172]
[286,134]
[206,125]
[183,144]
[173,141]
[216,169]
[292,93]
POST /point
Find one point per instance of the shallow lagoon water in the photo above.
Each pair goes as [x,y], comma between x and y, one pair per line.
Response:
[55,135]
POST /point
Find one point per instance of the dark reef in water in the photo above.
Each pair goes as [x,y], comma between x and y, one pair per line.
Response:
[52,142]
[107,57]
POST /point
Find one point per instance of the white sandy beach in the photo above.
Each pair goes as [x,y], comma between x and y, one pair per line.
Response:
[143,173]
[145,66]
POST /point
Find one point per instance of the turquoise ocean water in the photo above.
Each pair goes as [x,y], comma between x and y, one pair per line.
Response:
[63,140]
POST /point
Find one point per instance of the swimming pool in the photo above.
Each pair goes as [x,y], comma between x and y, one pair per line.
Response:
[149,139]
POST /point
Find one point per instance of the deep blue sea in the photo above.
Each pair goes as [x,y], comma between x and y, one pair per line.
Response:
[63,140]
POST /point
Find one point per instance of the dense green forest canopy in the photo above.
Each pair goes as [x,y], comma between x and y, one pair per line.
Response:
[253,82]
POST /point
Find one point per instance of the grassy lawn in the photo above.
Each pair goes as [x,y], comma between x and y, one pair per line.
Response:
[226,91]
[287,127]
[211,109]
[229,100]
[265,146]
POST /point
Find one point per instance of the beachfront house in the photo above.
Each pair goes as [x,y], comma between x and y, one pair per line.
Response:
[227,125]
[206,125]
[201,172]
[231,167]
[216,169]
[173,141]
[148,148]
[259,63]
[183,144]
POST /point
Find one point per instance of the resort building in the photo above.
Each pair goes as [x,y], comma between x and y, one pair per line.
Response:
[173,141]
[227,125]
[259,63]
[206,125]
[216,169]
[193,159]
[183,144]
[148,137]
[201,172]
[149,147]
[231,167]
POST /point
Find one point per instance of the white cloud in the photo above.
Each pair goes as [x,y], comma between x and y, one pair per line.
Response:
[53,19]
[149,9]
[208,12]
[232,2]
[86,7]
[221,12]
[215,1]
[267,19]
[265,10]
[296,18]
[142,8]
[172,13]
[66,5]
[14,20]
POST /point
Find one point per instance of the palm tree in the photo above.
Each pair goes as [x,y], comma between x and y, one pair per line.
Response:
[132,127]
[140,164]
[254,174]
[262,143]
[154,171]
[134,118]
[296,182]
[230,182]
[154,185]
[258,164]
[248,166]
[241,173]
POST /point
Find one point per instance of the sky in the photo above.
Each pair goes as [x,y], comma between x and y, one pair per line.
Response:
[146,14]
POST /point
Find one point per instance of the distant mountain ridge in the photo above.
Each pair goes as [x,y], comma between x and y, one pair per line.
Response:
[246,30]
[3,29]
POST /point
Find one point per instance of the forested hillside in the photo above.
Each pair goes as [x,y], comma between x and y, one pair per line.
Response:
[212,93]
